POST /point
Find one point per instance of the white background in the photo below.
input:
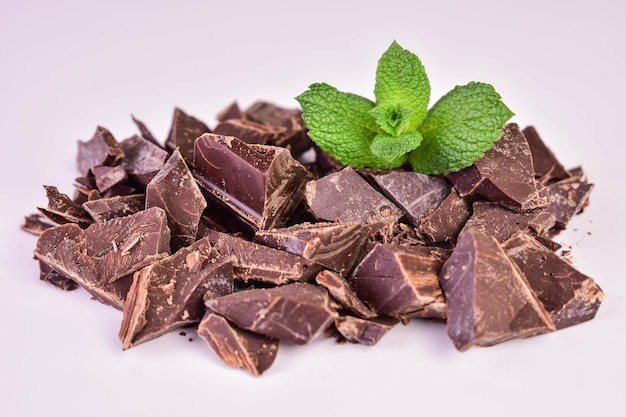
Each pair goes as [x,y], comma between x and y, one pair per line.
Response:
[69,66]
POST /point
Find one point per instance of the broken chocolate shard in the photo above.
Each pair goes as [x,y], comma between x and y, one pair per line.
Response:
[145,132]
[176,191]
[570,296]
[260,183]
[169,293]
[416,194]
[183,133]
[488,300]
[103,253]
[504,175]
[35,224]
[546,166]
[238,348]
[337,246]
[258,263]
[52,277]
[566,199]
[346,197]
[247,131]
[108,177]
[142,159]
[364,331]
[297,313]
[62,209]
[398,280]
[445,222]
[232,111]
[340,290]
[101,150]
[107,208]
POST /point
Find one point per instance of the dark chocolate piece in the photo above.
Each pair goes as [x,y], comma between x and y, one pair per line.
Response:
[488,300]
[255,262]
[232,111]
[568,295]
[346,197]
[108,177]
[364,331]
[297,312]
[101,150]
[238,348]
[546,166]
[567,199]
[169,293]
[35,224]
[416,194]
[97,257]
[337,246]
[247,131]
[176,191]
[397,280]
[259,183]
[340,290]
[52,277]
[142,159]
[445,222]
[61,209]
[505,174]
[145,132]
[104,209]
[183,133]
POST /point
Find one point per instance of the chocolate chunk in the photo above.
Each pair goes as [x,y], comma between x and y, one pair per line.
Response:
[546,166]
[142,159]
[445,222]
[488,299]
[145,132]
[104,209]
[340,290]
[398,280]
[255,262]
[62,209]
[505,174]
[101,150]
[97,257]
[337,246]
[364,331]
[35,224]
[175,190]
[169,293]
[52,277]
[296,313]
[568,295]
[236,347]
[346,197]
[183,133]
[108,177]
[232,111]
[566,199]
[260,183]
[247,131]
[416,194]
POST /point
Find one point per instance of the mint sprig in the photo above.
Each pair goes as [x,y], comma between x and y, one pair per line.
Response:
[398,127]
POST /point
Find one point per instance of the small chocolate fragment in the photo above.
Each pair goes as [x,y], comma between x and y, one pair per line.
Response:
[145,132]
[297,312]
[108,177]
[52,277]
[247,131]
[61,209]
[445,222]
[101,150]
[238,348]
[567,199]
[340,290]
[142,159]
[505,174]
[416,194]
[260,183]
[104,209]
[255,262]
[175,190]
[346,197]
[545,164]
[104,253]
[568,295]
[398,280]
[488,299]
[35,224]
[364,331]
[337,246]
[169,293]
[232,111]
[183,133]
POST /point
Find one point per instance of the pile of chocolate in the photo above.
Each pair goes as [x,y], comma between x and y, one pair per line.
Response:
[253,236]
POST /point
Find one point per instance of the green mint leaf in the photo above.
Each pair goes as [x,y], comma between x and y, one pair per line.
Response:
[391,148]
[340,124]
[459,129]
[393,119]
[401,79]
